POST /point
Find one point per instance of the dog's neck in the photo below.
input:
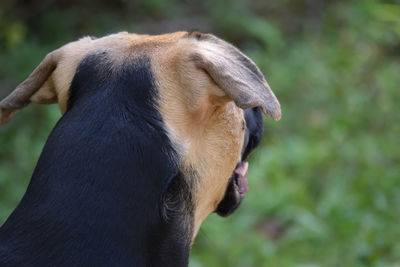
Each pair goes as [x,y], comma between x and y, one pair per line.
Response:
[98,188]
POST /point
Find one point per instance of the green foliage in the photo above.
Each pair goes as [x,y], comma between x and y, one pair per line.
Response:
[325,184]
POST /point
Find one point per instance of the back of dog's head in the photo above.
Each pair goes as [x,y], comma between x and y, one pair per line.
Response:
[194,87]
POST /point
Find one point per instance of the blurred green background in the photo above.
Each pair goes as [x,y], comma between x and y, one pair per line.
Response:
[325,184]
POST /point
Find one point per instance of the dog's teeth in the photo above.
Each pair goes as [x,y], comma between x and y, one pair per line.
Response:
[242,169]
[245,168]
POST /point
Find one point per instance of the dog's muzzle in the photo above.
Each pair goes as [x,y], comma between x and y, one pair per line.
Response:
[237,189]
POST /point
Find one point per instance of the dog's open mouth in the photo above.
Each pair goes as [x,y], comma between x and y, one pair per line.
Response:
[240,179]
[237,189]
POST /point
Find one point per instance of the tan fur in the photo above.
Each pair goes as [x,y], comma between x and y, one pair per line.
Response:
[204,120]
[198,87]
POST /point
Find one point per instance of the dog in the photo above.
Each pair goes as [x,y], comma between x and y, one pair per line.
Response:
[153,138]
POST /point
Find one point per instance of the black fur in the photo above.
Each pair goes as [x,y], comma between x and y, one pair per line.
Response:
[254,130]
[96,197]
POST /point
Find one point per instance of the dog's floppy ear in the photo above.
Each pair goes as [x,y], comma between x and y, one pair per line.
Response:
[37,88]
[236,74]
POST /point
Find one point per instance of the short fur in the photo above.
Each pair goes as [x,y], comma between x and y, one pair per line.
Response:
[151,132]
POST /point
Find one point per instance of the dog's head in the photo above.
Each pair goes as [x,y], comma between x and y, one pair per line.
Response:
[210,96]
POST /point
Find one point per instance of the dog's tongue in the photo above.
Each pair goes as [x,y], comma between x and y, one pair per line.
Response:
[241,172]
